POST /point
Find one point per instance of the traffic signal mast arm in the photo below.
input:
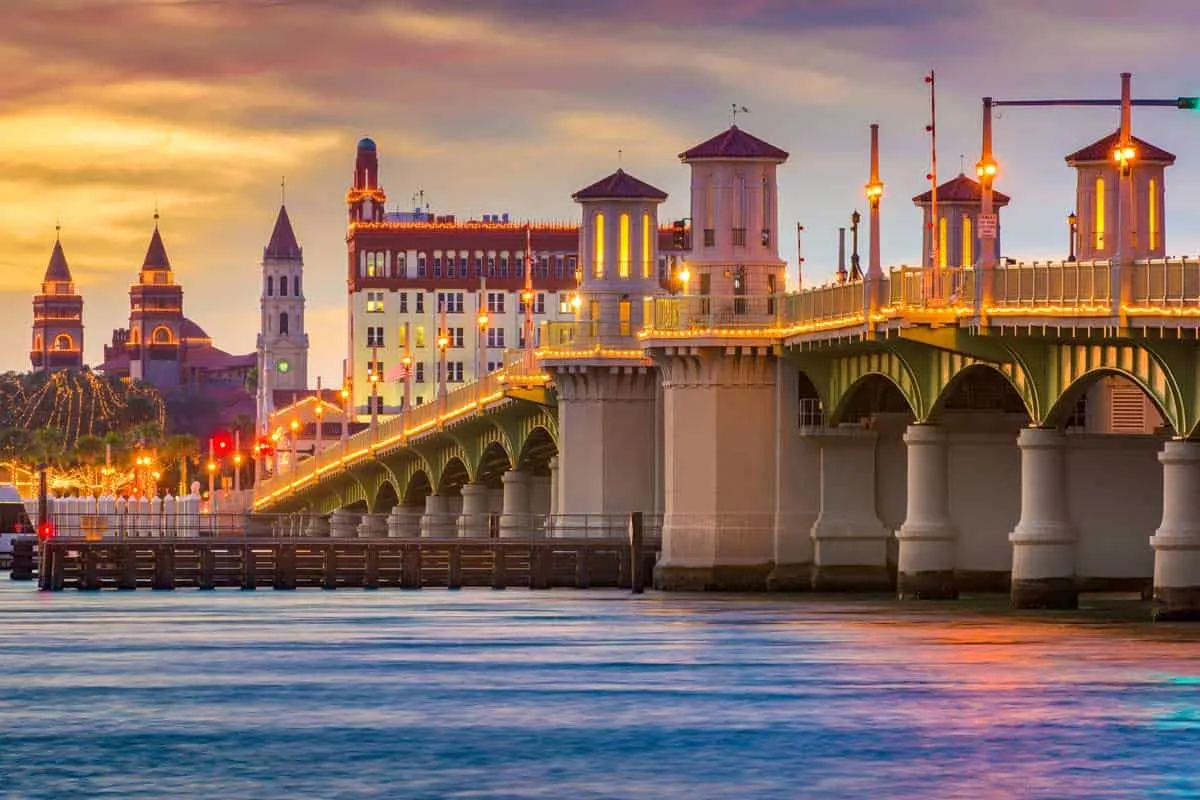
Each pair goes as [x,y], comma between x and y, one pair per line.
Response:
[1187,103]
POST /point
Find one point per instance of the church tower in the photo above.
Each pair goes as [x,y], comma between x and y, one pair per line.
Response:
[735,221]
[282,341]
[57,318]
[155,319]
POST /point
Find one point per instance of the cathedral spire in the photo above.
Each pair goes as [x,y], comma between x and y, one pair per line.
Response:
[156,253]
[57,269]
[283,242]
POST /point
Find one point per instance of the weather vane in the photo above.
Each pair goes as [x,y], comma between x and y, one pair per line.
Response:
[736,109]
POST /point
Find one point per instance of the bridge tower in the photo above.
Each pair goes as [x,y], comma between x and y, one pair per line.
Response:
[1096,198]
[719,385]
[607,389]
[960,201]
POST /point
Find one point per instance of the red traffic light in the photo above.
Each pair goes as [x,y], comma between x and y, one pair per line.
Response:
[264,446]
[46,531]
[222,443]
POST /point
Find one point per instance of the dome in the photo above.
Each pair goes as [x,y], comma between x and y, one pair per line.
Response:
[190,330]
[366,143]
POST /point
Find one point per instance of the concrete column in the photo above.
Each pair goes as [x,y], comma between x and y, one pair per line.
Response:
[1176,543]
[1043,571]
[343,524]
[373,526]
[515,519]
[473,522]
[849,542]
[926,559]
[318,525]
[539,495]
[554,504]
[437,522]
[404,522]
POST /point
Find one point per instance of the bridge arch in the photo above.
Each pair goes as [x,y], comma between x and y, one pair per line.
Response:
[882,375]
[981,386]
[537,449]
[1068,399]
[454,476]
[493,463]
[386,498]
[417,489]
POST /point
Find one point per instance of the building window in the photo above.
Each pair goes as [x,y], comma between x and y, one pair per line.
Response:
[968,242]
[450,302]
[1152,207]
[375,263]
[420,298]
[491,266]
[402,264]
[420,376]
[375,302]
[1099,232]
[462,266]
[283,285]
[766,237]
[710,237]
[572,265]
[624,247]
[495,337]
[437,266]
[495,302]
[544,266]
[598,245]
[270,286]
[455,337]
[739,237]
[296,285]
[539,303]
[478,266]
[378,401]
[495,366]
[375,336]
[419,336]
[558,266]
[624,316]
[943,242]
[454,372]
[403,302]
[647,246]
[564,305]
[375,368]
[283,323]
[519,265]
[63,342]
[504,266]
[420,265]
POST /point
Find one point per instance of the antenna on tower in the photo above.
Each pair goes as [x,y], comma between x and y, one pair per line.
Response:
[931,128]
[618,157]
[283,190]
[156,209]
[735,109]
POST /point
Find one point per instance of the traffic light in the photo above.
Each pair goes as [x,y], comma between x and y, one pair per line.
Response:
[222,443]
[46,531]
[264,447]
[1188,103]
[679,234]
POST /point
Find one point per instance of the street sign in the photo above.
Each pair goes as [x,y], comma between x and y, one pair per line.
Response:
[987,226]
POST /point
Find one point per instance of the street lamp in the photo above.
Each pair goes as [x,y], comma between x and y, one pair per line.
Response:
[443,342]
[684,275]
[237,472]
[483,326]
[855,269]
[1124,157]
[212,476]
[1073,231]
[295,428]
[319,411]
[345,413]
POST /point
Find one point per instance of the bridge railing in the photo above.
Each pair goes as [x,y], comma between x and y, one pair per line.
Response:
[1056,284]
[587,335]
[930,287]
[823,304]
[1165,283]
[711,313]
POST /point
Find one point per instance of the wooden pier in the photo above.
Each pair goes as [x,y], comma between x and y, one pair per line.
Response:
[330,563]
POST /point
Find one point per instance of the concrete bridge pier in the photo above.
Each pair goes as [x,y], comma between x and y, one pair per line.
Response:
[850,544]
[798,482]
[474,518]
[515,518]
[318,525]
[1043,542]
[373,526]
[438,522]
[404,522]
[343,524]
[927,537]
[1176,543]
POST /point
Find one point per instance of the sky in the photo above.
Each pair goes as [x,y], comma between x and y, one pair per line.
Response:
[111,108]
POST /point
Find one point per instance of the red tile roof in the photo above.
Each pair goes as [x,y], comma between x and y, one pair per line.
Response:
[960,189]
[620,186]
[734,143]
[1102,150]
[57,269]
[156,254]
[283,242]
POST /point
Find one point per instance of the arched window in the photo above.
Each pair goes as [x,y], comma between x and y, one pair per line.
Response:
[1152,206]
[283,285]
[943,241]
[1098,233]
[161,335]
[63,342]
[598,246]
[647,246]
[37,342]
[134,336]
[283,324]
[270,286]
[623,259]
[296,285]
[968,242]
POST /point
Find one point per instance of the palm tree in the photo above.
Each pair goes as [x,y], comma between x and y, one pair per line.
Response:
[180,449]
[48,447]
[89,450]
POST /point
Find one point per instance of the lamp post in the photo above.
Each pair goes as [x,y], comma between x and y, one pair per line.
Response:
[1073,232]
[407,361]
[855,269]
[985,170]
[212,476]
[684,275]
[237,472]
[319,412]
[373,377]
[345,414]
[443,341]
[482,352]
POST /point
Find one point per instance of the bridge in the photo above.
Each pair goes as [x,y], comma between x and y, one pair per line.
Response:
[968,424]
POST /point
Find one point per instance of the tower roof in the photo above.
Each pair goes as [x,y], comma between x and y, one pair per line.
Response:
[734,143]
[960,189]
[1102,150]
[57,269]
[283,242]
[620,186]
[156,253]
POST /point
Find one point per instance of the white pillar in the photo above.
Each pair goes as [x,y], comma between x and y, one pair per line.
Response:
[474,519]
[849,542]
[1176,543]
[554,486]
[515,519]
[437,522]
[373,526]
[343,524]
[404,522]
[1043,569]
[926,558]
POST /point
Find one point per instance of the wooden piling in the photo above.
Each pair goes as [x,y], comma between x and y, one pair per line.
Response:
[410,574]
[371,569]
[22,559]
[329,581]
[539,566]
[206,578]
[90,579]
[454,568]
[285,567]
[164,567]
[127,565]
[636,564]
[499,567]
[249,569]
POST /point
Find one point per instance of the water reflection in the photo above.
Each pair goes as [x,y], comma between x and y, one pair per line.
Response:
[563,694]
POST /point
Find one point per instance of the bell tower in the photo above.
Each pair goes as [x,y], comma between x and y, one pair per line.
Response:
[155,319]
[282,341]
[57,318]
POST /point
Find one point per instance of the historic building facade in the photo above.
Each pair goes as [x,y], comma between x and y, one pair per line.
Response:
[57,318]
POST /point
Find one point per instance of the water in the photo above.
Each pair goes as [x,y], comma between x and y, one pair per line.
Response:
[564,694]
